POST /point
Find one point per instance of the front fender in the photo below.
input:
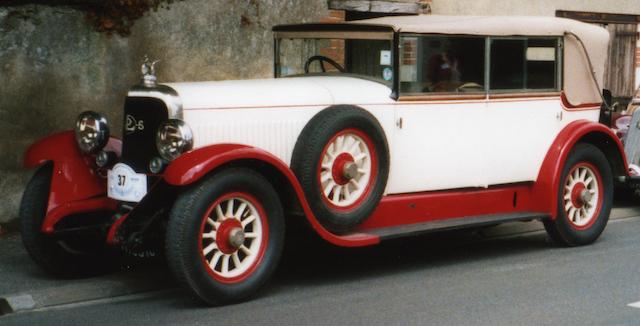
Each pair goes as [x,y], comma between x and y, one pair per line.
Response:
[548,181]
[192,166]
[74,178]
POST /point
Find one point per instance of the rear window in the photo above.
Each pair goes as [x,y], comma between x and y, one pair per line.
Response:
[524,64]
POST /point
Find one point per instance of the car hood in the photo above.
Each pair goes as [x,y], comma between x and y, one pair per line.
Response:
[291,91]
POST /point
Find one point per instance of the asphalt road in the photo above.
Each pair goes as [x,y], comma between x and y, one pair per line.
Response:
[450,279]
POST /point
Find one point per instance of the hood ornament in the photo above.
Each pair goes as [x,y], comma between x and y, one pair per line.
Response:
[148,70]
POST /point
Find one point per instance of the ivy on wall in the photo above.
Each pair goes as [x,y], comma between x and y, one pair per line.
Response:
[107,16]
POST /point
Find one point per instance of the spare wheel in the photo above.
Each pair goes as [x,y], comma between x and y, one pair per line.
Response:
[342,162]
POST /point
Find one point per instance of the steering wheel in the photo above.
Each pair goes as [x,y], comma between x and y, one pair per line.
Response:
[322,60]
[470,87]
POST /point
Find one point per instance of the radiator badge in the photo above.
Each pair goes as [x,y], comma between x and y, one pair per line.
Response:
[133,125]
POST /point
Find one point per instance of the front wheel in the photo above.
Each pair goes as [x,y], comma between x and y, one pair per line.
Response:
[585,197]
[70,257]
[225,236]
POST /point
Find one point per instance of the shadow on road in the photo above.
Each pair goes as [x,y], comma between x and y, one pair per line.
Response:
[307,262]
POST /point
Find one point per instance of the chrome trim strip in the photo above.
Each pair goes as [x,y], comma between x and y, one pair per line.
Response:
[163,92]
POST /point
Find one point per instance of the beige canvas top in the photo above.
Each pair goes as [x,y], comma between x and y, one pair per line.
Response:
[578,76]
[488,25]
[595,38]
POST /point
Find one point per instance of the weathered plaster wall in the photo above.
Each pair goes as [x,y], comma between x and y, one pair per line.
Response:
[53,66]
[531,7]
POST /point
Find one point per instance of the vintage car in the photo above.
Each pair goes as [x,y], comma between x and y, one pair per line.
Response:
[370,130]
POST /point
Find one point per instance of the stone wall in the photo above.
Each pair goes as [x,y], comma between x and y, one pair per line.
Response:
[53,65]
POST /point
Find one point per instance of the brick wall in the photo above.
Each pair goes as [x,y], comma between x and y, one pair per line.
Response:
[335,16]
[335,50]
[409,51]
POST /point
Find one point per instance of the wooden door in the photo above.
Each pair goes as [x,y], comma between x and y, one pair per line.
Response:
[619,72]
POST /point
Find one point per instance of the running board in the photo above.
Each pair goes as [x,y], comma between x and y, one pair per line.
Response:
[454,223]
[633,180]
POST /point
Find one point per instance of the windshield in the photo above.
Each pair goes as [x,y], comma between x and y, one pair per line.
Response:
[363,58]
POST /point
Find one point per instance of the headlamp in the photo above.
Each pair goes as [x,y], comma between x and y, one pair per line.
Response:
[92,132]
[174,137]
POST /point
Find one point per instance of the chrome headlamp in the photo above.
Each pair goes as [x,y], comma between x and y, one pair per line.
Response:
[92,132]
[174,137]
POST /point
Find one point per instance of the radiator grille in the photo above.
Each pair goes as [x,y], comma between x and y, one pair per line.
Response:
[142,116]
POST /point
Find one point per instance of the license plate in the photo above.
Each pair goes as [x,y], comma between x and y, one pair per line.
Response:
[125,184]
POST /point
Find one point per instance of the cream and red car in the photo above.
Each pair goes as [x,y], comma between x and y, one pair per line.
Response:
[370,130]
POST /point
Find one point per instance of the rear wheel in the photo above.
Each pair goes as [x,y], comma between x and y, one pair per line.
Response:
[225,236]
[585,197]
[72,256]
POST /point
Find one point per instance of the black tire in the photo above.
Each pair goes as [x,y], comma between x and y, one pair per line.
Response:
[310,151]
[589,220]
[186,243]
[70,258]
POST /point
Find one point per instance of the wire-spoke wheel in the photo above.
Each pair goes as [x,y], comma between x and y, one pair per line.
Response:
[341,159]
[347,168]
[233,237]
[585,196]
[225,235]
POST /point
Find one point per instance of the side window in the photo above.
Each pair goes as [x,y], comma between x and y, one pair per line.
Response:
[442,64]
[524,64]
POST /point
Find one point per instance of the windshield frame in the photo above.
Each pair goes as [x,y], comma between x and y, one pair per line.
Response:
[344,32]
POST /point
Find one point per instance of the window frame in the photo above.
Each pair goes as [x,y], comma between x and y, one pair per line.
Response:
[559,65]
[438,94]
[488,92]
[343,35]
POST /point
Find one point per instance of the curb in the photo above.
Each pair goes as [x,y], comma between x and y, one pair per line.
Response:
[15,303]
[71,292]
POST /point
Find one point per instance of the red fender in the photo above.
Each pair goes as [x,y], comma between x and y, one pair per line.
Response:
[192,166]
[548,182]
[75,182]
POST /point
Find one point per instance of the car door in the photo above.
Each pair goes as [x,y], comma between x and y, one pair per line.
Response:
[439,141]
[524,111]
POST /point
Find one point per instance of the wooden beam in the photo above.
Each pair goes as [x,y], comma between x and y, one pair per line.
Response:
[52,3]
[379,6]
[599,17]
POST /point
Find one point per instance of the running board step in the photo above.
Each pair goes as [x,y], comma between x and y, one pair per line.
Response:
[454,223]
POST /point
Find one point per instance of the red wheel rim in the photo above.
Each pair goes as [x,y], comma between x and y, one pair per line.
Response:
[582,195]
[233,237]
[347,169]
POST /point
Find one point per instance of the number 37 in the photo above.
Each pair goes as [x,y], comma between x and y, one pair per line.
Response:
[121,180]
